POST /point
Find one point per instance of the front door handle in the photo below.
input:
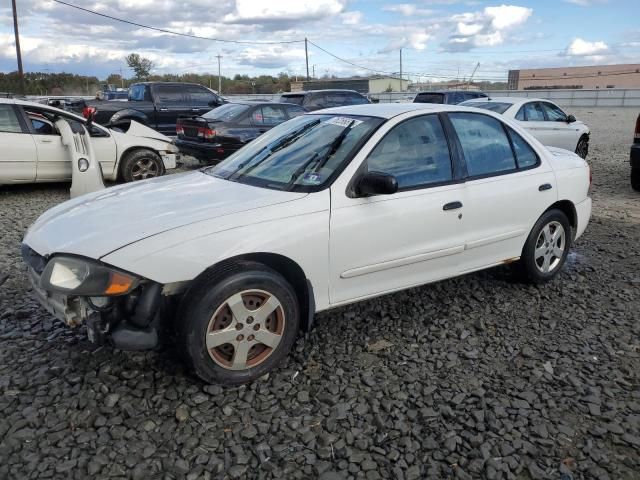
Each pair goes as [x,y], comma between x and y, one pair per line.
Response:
[452,206]
[45,140]
[164,109]
[545,186]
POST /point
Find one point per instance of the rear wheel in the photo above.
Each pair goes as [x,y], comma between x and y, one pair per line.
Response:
[635,179]
[238,326]
[582,149]
[547,247]
[140,165]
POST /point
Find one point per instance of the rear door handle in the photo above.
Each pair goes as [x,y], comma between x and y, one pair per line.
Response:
[545,186]
[164,109]
[452,206]
[45,140]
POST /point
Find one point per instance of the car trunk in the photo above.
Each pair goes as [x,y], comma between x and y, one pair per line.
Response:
[195,129]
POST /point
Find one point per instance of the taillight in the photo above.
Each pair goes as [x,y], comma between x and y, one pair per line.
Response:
[206,133]
[179,129]
[590,177]
[88,112]
[636,136]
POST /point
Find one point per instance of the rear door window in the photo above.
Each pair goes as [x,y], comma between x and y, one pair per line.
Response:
[297,99]
[136,93]
[273,115]
[533,112]
[355,99]
[9,122]
[170,94]
[315,101]
[455,98]
[429,98]
[485,144]
[294,111]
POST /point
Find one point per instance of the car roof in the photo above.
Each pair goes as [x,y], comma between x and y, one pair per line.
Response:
[320,91]
[453,91]
[26,103]
[389,110]
[253,103]
[512,100]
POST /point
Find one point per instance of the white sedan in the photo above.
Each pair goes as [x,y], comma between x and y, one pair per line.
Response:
[543,119]
[329,208]
[33,151]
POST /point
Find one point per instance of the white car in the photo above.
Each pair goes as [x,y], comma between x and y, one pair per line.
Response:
[329,208]
[32,148]
[543,119]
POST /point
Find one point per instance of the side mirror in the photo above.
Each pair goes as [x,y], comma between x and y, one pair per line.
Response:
[571,119]
[376,183]
[214,103]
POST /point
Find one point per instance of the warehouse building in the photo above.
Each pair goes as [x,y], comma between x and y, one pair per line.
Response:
[592,77]
[375,84]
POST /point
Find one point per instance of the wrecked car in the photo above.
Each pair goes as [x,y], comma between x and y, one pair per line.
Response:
[326,209]
[33,149]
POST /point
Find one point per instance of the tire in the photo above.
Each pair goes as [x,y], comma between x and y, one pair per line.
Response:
[141,164]
[206,309]
[582,148]
[545,252]
[635,179]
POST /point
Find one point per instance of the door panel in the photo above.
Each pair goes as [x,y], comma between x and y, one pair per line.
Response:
[537,124]
[19,155]
[385,243]
[170,103]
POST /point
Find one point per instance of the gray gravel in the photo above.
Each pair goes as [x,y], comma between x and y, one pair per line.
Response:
[477,377]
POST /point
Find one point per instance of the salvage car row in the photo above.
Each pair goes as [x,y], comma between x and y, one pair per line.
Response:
[208,128]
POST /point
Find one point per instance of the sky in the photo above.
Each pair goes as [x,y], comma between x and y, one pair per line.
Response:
[440,39]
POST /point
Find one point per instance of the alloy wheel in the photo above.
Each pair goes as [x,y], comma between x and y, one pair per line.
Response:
[550,247]
[245,330]
[144,168]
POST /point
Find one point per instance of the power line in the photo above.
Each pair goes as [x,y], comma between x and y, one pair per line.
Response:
[171,32]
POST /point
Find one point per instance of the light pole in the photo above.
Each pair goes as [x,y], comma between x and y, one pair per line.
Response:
[18,53]
[219,77]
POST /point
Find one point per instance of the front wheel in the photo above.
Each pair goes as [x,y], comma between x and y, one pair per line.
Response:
[547,247]
[635,179]
[239,326]
[140,165]
[582,149]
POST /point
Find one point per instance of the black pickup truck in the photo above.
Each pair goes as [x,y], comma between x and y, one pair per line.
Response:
[154,104]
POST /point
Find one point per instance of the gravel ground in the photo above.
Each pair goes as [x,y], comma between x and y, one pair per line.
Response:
[476,377]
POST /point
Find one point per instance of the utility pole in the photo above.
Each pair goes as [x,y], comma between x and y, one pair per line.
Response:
[219,77]
[306,55]
[18,53]
[121,78]
[314,71]
[400,68]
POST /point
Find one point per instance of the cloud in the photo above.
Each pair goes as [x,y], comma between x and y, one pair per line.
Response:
[586,3]
[272,56]
[487,28]
[351,18]
[251,11]
[407,9]
[580,48]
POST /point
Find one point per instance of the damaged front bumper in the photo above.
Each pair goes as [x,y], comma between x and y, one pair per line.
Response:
[129,322]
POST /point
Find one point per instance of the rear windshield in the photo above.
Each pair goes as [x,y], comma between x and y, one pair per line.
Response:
[226,111]
[429,98]
[297,99]
[498,107]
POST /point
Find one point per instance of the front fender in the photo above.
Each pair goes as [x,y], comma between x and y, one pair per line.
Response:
[299,231]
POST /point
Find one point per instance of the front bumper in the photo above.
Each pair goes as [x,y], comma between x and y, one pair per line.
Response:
[635,156]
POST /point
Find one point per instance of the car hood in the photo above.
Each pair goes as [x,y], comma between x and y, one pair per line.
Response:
[96,224]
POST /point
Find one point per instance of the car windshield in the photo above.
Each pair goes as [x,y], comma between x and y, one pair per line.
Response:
[498,107]
[297,99]
[304,154]
[226,111]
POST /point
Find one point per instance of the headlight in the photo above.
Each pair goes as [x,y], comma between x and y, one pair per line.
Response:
[77,276]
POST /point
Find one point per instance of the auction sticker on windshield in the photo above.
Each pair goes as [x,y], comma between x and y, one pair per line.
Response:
[343,121]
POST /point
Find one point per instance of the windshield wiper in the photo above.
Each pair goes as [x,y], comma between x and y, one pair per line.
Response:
[333,148]
[282,143]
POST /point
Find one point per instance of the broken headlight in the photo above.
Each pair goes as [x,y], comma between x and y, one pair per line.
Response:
[77,276]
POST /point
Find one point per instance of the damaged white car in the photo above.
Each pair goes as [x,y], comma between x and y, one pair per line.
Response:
[324,210]
[33,149]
